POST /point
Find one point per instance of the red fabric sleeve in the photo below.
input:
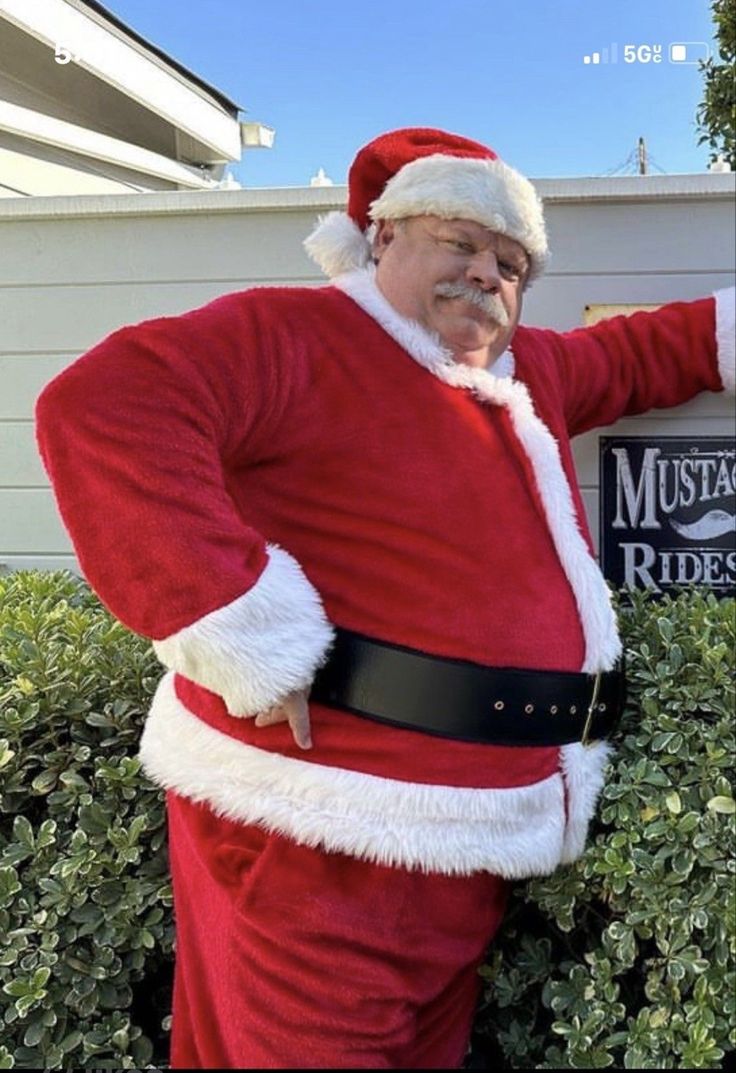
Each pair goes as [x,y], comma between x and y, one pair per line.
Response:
[134,436]
[627,365]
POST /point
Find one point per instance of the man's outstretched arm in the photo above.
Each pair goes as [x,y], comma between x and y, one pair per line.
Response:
[630,364]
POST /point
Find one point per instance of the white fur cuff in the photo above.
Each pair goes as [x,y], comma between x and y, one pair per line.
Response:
[265,644]
[726,337]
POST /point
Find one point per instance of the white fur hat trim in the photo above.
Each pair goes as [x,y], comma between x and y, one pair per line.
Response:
[486,191]
[338,245]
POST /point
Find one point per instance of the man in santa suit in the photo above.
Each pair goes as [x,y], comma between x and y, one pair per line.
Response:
[369,482]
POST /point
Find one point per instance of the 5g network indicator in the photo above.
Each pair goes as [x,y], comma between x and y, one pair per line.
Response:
[687,53]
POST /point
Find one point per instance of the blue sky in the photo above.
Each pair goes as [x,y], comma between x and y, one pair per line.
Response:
[330,74]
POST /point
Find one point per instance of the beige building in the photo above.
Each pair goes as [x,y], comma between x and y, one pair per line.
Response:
[75,268]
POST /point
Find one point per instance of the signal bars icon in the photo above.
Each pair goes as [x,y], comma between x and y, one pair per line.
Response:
[606,55]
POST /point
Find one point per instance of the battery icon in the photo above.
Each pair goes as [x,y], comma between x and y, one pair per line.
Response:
[688,51]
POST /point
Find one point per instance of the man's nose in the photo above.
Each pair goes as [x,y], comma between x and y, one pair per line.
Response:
[483,271]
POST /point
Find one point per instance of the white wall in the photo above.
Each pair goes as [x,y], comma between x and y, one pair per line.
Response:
[75,268]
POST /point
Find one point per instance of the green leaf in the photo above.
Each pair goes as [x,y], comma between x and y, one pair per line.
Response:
[655,777]
[40,977]
[23,832]
[72,780]
[46,834]
[688,823]
[9,884]
[6,755]
[682,862]
[45,782]
[99,719]
[71,1042]
[724,805]
[93,819]
[34,1033]
[16,988]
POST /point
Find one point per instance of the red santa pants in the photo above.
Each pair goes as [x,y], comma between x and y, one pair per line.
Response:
[292,958]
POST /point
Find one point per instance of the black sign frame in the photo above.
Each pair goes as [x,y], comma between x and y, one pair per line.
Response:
[667,510]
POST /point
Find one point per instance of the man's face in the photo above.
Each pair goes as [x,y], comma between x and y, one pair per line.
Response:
[456,278]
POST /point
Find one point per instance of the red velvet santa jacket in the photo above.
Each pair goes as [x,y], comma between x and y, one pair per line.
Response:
[239,477]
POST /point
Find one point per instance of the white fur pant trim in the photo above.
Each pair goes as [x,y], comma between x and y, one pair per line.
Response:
[514,832]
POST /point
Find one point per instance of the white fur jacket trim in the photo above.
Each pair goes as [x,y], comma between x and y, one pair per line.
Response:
[261,646]
[514,832]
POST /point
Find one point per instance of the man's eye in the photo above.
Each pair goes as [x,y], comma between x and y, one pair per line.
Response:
[459,244]
[509,270]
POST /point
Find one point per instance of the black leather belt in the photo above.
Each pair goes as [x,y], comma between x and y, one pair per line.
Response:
[469,702]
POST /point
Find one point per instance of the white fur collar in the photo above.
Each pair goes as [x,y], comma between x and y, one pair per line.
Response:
[424,346]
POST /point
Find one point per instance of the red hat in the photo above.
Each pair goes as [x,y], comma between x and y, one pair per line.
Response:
[420,171]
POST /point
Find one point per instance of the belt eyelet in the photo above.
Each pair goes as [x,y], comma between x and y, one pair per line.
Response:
[499,705]
[602,707]
[554,709]
[573,709]
[529,709]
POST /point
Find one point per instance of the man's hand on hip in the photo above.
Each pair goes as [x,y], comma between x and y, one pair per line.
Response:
[294,710]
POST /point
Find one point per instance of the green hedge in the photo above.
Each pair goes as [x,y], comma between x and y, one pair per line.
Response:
[626,959]
[621,960]
[85,900]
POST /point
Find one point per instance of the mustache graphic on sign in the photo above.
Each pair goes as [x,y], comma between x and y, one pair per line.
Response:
[713,524]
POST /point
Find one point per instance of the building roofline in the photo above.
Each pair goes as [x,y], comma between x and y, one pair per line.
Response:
[630,188]
[101,14]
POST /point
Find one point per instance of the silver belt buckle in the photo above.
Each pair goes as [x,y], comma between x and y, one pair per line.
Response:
[585,740]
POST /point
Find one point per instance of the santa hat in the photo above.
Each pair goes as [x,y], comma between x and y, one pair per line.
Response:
[419,171]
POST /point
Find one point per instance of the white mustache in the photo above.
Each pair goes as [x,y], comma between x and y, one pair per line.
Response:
[490,304]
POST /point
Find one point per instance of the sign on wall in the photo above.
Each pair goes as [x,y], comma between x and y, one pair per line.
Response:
[668,511]
[592,313]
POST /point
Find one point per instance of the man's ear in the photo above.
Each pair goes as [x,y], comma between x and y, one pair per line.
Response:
[385,231]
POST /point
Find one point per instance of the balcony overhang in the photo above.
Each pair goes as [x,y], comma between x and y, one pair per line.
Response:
[48,130]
